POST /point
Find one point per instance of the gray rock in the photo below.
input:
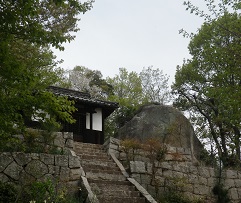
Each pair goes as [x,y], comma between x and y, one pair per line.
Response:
[36,168]
[164,122]
[47,158]
[13,170]
[22,158]
[137,167]
[5,160]
[61,160]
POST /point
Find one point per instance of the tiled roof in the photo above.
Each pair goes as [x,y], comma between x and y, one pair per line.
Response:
[81,97]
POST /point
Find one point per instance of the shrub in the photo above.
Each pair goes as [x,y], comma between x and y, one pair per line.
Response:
[7,193]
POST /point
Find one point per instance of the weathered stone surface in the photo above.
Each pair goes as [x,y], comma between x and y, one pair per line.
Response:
[59,141]
[5,160]
[201,189]
[64,174]
[74,162]
[69,143]
[47,159]
[204,172]
[164,122]
[22,158]
[137,167]
[75,174]
[68,135]
[3,178]
[54,170]
[234,193]
[25,178]
[36,168]
[61,160]
[231,174]
[13,170]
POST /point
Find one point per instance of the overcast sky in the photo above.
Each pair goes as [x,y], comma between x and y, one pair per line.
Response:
[131,34]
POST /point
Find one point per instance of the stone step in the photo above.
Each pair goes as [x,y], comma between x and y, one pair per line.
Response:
[100,175]
[94,166]
[116,199]
[81,145]
[113,188]
[93,158]
[94,154]
[112,182]
[108,163]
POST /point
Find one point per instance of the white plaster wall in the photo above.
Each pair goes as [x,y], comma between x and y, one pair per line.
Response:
[97,120]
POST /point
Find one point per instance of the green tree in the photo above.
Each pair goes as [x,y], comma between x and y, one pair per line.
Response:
[27,66]
[132,90]
[209,84]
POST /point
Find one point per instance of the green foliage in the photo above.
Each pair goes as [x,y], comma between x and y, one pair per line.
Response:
[28,66]
[132,90]
[208,85]
[45,191]
[8,193]
[174,192]
[221,193]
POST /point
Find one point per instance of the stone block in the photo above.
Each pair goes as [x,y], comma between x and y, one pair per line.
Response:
[68,135]
[171,149]
[145,179]
[177,174]
[137,167]
[54,170]
[22,158]
[149,168]
[152,190]
[237,183]
[36,168]
[201,189]
[61,160]
[74,162]
[47,158]
[34,156]
[193,170]
[233,192]
[3,178]
[211,172]
[166,165]
[137,177]
[75,174]
[193,179]
[188,188]
[211,181]
[203,181]
[69,143]
[13,170]
[180,168]
[5,160]
[229,183]
[59,141]
[167,173]
[64,174]
[180,150]
[231,174]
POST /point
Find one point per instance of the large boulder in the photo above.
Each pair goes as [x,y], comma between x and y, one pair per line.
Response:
[164,122]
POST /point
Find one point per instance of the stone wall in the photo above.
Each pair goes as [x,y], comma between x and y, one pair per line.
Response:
[24,168]
[179,170]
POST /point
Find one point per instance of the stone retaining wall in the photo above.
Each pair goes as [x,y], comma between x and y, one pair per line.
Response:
[23,168]
[179,170]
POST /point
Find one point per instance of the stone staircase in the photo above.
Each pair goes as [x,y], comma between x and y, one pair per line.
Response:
[104,176]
